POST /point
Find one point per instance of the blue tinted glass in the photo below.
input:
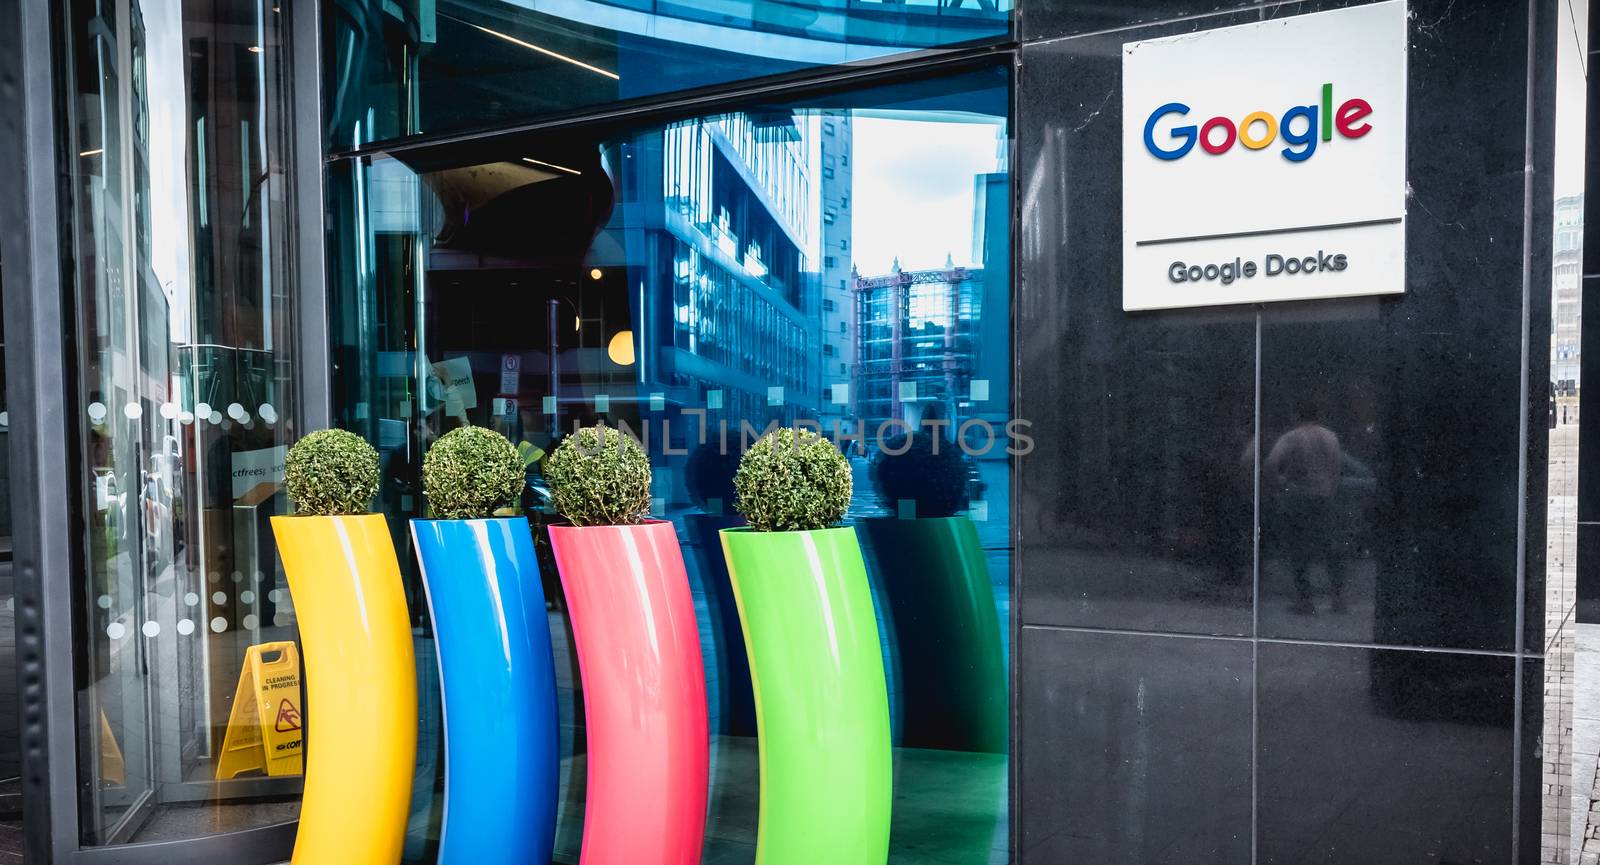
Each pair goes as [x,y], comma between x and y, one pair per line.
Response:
[840,264]
[421,66]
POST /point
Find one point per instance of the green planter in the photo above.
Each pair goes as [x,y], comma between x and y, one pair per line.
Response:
[822,710]
[951,660]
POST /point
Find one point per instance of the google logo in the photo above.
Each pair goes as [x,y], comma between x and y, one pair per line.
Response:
[1259,129]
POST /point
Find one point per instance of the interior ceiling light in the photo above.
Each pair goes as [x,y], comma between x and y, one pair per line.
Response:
[541,163]
[620,349]
[545,51]
[595,273]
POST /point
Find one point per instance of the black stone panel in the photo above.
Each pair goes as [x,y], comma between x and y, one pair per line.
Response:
[1533,823]
[1136,508]
[1046,19]
[1384,756]
[1417,542]
[1052,19]
[1135,749]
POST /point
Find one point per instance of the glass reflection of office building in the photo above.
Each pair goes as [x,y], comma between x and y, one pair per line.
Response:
[923,338]
[1567,322]
[837,277]
[735,225]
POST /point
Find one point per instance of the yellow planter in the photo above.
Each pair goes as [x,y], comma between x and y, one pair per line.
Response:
[361,688]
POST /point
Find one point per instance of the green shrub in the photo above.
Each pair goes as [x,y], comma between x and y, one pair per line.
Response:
[331,472]
[599,477]
[792,480]
[471,472]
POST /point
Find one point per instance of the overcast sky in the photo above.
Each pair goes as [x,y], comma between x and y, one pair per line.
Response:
[913,190]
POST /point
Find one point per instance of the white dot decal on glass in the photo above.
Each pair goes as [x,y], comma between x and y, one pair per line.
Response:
[186,418]
[214,577]
[103,602]
[255,577]
[658,402]
[215,418]
[202,409]
[185,627]
[97,411]
[774,396]
[219,598]
[5,418]
[133,411]
[219,624]
[151,629]
[238,576]
[236,411]
[273,596]
[169,410]
[980,389]
[251,622]
[247,597]
[281,619]
[115,630]
[908,391]
[268,413]
[191,599]
[841,394]
[713,399]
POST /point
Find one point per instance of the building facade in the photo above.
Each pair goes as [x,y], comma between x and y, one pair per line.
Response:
[238,221]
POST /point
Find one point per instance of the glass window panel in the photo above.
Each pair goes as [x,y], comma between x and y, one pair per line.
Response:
[675,274]
[429,66]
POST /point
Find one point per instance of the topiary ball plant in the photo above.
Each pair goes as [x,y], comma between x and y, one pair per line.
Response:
[792,480]
[910,471]
[599,477]
[471,472]
[331,472]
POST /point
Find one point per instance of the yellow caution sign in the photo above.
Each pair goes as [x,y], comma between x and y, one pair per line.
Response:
[264,731]
[112,766]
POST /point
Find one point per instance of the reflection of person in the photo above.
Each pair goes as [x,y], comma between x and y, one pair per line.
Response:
[1304,464]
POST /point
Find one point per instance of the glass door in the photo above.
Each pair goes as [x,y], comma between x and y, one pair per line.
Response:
[183,406]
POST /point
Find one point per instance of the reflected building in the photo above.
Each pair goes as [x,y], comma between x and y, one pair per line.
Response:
[837,275]
[921,334]
[917,343]
[726,202]
[1567,323]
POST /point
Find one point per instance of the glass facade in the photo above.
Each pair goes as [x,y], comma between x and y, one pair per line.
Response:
[182,402]
[1278,582]
[423,67]
[692,282]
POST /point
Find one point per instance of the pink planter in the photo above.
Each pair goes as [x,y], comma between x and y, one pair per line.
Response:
[643,692]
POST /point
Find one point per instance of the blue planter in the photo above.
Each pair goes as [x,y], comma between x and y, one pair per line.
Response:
[502,755]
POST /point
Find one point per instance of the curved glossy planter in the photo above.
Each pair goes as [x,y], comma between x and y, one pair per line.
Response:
[947,633]
[644,693]
[502,752]
[821,706]
[361,688]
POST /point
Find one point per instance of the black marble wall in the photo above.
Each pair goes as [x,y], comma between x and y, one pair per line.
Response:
[1209,671]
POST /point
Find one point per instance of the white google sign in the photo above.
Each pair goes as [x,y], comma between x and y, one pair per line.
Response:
[1266,162]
